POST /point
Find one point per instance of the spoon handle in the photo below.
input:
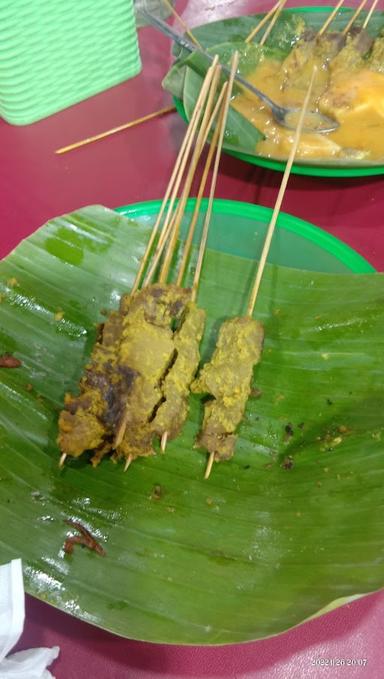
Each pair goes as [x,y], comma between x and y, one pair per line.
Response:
[186,44]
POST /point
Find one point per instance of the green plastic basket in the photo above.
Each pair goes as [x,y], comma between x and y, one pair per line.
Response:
[55,54]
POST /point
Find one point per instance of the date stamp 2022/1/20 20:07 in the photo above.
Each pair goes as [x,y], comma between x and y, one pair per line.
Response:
[339,662]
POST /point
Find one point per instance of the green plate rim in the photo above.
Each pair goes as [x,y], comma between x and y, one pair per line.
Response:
[340,250]
[297,168]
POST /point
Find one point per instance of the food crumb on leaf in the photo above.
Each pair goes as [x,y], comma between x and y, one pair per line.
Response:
[157,492]
[287,462]
[9,361]
[85,539]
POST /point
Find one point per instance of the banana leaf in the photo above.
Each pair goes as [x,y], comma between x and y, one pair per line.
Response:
[291,526]
[223,37]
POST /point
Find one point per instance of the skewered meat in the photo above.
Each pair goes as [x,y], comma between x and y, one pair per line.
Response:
[310,50]
[358,43]
[89,418]
[376,58]
[150,346]
[227,378]
[173,412]
[122,379]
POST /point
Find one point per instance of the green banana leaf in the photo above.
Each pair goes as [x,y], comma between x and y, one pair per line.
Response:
[291,526]
[224,37]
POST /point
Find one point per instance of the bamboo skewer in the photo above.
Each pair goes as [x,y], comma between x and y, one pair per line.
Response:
[168,228]
[174,182]
[262,23]
[330,18]
[271,228]
[209,466]
[163,442]
[114,130]
[276,210]
[222,125]
[201,139]
[369,15]
[273,21]
[182,23]
[128,462]
[354,17]
[191,230]
[181,207]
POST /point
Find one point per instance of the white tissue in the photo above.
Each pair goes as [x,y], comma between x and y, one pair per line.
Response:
[25,664]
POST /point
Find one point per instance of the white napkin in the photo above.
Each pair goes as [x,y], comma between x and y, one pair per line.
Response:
[25,664]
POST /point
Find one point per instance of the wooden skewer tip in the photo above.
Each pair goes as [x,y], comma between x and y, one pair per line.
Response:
[209,466]
[62,460]
[128,462]
[163,443]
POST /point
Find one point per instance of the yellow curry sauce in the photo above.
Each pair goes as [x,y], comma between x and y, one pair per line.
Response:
[354,98]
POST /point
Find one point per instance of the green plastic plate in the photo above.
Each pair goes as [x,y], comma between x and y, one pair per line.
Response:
[311,170]
[296,243]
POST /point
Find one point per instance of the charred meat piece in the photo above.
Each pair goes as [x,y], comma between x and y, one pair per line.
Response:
[89,418]
[227,378]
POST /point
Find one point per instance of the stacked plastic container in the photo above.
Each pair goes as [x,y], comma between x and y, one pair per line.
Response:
[54,53]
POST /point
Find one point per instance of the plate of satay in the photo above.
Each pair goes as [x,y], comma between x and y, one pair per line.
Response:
[191,398]
[278,51]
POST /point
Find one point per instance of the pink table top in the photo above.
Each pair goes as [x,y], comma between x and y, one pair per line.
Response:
[36,184]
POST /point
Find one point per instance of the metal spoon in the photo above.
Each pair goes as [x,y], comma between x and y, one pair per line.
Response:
[285,116]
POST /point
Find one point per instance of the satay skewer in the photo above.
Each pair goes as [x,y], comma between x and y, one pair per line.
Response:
[66,425]
[206,96]
[270,231]
[216,146]
[173,225]
[207,122]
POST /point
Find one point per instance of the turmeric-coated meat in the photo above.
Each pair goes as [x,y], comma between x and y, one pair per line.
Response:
[89,418]
[173,411]
[227,378]
[148,347]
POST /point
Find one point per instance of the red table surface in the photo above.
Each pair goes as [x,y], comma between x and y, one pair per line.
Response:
[36,184]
